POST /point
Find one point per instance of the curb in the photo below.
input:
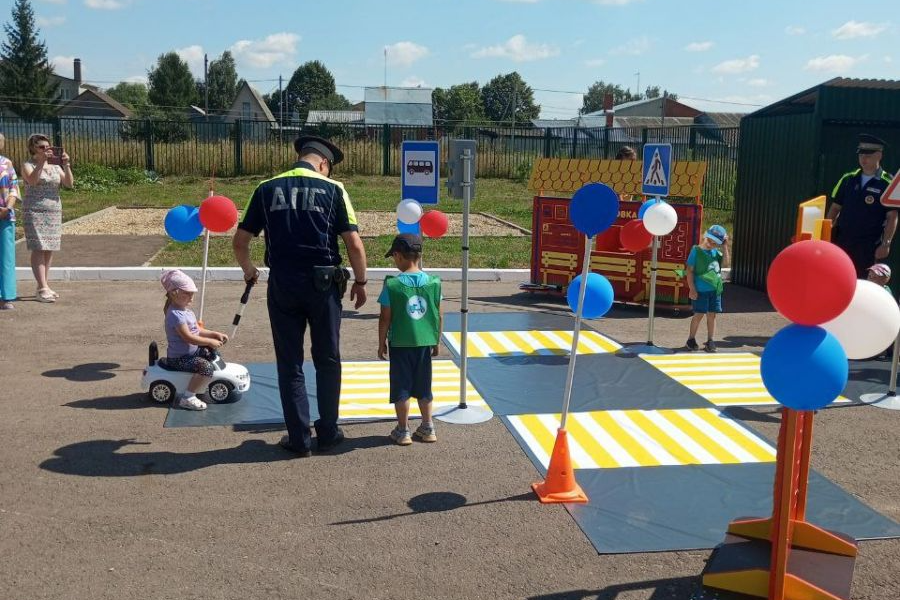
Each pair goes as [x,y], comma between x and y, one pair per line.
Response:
[236,274]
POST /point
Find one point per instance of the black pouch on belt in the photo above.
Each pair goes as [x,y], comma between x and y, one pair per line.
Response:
[323,278]
[341,277]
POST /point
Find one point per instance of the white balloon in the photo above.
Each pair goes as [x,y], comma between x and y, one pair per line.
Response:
[660,218]
[409,211]
[870,324]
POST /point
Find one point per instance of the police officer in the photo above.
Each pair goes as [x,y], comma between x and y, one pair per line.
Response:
[864,227]
[303,212]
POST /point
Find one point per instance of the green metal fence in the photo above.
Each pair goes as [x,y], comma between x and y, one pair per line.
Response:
[262,148]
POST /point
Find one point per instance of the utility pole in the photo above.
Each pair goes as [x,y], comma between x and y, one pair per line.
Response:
[638,90]
[206,85]
[385,67]
[280,109]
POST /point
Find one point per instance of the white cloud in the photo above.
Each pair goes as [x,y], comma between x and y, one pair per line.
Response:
[759,82]
[518,49]
[54,1]
[633,47]
[404,54]
[50,21]
[64,65]
[106,4]
[699,46]
[857,29]
[795,30]
[193,56]
[137,79]
[413,81]
[594,62]
[834,63]
[275,48]
[737,65]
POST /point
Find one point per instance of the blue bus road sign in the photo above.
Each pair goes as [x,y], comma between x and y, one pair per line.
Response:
[420,171]
[657,169]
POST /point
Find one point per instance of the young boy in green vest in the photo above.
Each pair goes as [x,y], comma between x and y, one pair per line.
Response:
[410,323]
[704,279]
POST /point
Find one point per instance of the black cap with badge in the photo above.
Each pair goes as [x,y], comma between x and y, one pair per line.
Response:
[405,242]
[869,144]
[319,145]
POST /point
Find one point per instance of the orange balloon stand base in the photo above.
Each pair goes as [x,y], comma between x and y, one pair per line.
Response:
[560,485]
[785,557]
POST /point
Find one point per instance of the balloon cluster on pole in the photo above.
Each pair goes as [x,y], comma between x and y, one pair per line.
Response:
[804,366]
[634,236]
[182,223]
[412,218]
[594,208]
[660,218]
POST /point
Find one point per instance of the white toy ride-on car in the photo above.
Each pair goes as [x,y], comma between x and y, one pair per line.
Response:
[228,384]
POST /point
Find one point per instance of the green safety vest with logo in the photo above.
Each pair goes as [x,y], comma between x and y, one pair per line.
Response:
[707,272]
[415,315]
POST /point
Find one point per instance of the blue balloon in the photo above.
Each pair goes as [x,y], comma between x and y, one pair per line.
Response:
[183,223]
[804,368]
[647,205]
[408,228]
[594,208]
[598,297]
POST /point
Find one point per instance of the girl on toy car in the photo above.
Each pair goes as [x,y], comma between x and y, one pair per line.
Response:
[189,346]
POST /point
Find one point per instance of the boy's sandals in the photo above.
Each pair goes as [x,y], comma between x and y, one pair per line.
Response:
[6,305]
[46,295]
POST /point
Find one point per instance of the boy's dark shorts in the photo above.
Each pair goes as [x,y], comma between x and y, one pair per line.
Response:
[410,373]
[707,302]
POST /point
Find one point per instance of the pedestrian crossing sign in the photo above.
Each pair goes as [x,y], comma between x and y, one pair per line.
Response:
[891,196]
[657,169]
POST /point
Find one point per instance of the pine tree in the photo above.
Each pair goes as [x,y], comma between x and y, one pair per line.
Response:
[171,85]
[26,86]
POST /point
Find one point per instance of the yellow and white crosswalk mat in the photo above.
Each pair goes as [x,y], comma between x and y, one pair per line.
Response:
[484,344]
[645,438]
[365,390]
[727,379]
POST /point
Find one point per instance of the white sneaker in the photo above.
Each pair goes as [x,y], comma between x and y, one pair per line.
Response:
[191,402]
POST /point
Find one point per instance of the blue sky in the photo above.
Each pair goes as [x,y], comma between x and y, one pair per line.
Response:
[749,53]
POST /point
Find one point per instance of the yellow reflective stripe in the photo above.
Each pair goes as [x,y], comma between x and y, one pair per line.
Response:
[703,440]
[493,343]
[601,341]
[351,214]
[593,448]
[568,336]
[662,438]
[841,180]
[718,422]
[520,342]
[618,433]
[548,343]
[540,433]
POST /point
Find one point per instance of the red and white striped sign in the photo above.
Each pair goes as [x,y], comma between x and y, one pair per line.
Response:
[891,196]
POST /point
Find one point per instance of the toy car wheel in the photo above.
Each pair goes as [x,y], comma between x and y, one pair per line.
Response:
[219,391]
[162,391]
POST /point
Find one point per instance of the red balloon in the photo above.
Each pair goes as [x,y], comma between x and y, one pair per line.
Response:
[634,236]
[811,282]
[218,214]
[434,223]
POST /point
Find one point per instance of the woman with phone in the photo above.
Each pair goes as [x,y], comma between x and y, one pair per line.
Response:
[42,207]
[9,194]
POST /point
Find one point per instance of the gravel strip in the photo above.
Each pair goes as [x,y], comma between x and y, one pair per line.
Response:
[149,221]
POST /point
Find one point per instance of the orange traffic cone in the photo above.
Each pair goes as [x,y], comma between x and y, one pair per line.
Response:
[560,484]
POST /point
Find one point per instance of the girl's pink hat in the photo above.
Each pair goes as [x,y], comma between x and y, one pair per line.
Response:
[176,279]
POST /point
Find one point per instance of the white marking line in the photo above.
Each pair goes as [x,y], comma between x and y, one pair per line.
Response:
[700,357]
[537,346]
[744,432]
[619,454]
[750,385]
[510,345]
[475,343]
[561,342]
[591,344]
[580,458]
[711,369]
[530,441]
[595,335]
[642,438]
[689,379]
[685,441]
[452,340]
[722,395]
[721,439]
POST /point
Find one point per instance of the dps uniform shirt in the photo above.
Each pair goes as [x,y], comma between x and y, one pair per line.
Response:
[862,214]
[302,213]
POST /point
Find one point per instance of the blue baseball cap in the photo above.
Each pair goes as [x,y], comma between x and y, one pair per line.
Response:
[717,234]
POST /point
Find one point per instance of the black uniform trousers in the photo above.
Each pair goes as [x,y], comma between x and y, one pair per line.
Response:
[294,303]
[861,252]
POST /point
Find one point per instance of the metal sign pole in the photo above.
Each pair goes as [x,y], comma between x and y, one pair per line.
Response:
[570,375]
[464,303]
[889,400]
[203,272]
[653,268]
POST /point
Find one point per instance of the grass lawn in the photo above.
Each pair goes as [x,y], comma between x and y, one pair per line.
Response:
[503,198]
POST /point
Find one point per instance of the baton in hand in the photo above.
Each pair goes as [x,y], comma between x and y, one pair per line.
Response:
[237,316]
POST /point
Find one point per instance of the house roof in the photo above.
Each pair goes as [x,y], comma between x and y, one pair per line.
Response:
[91,99]
[805,101]
[259,100]
[335,116]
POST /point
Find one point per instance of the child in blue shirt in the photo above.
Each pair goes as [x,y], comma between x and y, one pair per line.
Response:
[704,279]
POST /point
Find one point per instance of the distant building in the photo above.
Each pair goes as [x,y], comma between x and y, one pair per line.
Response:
[249,105]
[398,106]
[92,103]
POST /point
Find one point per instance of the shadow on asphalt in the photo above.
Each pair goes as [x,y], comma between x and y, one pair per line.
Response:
[662,589]
[131,401]
[85,372]
[101,458]
[742,413]
[437,502]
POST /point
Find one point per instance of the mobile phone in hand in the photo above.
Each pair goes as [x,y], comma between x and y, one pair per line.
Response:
[56,159]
